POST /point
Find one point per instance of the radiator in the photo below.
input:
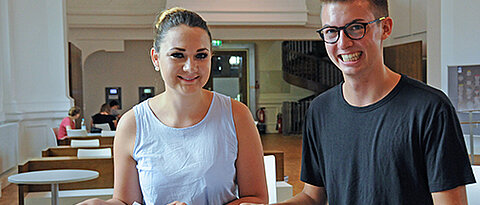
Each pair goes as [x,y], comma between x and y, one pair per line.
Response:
[8,146]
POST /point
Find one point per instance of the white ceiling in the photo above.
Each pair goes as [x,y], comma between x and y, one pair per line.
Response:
[140,13]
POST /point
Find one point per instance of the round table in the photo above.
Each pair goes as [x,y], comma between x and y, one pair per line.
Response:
[53,177]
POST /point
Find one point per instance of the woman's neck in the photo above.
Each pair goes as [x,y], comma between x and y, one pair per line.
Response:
[181,110]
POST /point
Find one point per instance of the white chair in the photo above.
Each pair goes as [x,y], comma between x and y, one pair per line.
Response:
[103,126]
[107,133]
[94,153]
[473,190]
[76,133]
[52,140]
[85,143]
[270,174]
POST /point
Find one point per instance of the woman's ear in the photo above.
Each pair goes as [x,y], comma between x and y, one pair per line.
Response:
[154,56]
[387,25]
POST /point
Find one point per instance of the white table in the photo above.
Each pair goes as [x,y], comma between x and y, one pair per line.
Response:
[54,178]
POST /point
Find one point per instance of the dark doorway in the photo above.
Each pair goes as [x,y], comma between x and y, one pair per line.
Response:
[229,74]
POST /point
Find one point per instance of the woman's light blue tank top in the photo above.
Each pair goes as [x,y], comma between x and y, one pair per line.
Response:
[195,165]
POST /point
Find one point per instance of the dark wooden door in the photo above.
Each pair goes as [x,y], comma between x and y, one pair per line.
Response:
[406,59]
[75,79]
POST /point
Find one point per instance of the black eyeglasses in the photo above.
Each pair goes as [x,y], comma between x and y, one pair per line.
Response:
[354,30]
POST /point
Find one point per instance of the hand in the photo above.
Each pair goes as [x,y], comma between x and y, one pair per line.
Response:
[94,201]
[177,203]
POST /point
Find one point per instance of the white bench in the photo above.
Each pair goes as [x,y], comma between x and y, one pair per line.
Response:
[284,191]
[68,196]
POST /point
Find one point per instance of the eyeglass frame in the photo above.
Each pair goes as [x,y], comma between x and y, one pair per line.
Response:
[319,31]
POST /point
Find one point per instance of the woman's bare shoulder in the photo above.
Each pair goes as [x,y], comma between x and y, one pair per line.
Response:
[126,131]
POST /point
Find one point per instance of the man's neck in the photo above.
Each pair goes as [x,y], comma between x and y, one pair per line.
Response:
[365,90]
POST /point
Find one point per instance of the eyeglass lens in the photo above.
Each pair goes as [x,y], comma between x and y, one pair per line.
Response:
[354,31]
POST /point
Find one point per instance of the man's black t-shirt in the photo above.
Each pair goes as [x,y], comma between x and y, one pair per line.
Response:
[100,119]
[395,151]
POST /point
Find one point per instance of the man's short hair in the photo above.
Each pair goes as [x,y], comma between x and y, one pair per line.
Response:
[113,103]
[380,7]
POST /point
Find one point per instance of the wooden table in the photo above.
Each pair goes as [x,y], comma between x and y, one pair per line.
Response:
[54,178]
[62,151]
[108,140]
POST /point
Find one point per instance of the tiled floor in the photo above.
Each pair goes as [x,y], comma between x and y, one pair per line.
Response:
[291,145]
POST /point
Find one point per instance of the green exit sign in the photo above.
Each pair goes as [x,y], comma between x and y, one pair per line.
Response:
[216,43]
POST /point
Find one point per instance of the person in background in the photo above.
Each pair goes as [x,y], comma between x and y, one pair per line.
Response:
[379,137]
[186,145]
[114,106]
[68,122]
[104,117]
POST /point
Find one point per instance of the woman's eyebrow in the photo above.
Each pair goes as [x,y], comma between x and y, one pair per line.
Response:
[177,48]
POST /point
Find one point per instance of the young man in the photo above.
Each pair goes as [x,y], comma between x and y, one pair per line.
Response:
[114,106]
[379,137]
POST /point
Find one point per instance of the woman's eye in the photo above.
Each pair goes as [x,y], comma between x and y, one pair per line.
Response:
[201,55]
[177,55]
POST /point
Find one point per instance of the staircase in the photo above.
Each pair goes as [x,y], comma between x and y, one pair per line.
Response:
[305,64]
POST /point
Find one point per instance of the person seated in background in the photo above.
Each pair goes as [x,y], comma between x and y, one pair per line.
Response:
[68,122]
[114,106]
[104,117]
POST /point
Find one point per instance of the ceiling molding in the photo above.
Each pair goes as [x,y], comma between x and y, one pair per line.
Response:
[114,7]
[247,12]
[141,13]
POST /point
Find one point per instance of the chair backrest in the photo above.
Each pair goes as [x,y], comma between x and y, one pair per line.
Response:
[76,133]
[473,190]
[107,133]
[103,126]
[85,143]
[94,153]
[270,174]
[52,140]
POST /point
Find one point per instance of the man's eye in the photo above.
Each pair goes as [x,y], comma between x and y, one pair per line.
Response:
[330,31]
[201,55]
[177,55]
[356,27]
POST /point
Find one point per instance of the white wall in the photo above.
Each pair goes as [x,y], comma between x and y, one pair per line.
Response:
[37,49]
[4,51]
[459,35]
[128,69]
[33,87]
[452,33]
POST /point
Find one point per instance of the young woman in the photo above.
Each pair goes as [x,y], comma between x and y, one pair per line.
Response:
[186,145]
[68,122]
